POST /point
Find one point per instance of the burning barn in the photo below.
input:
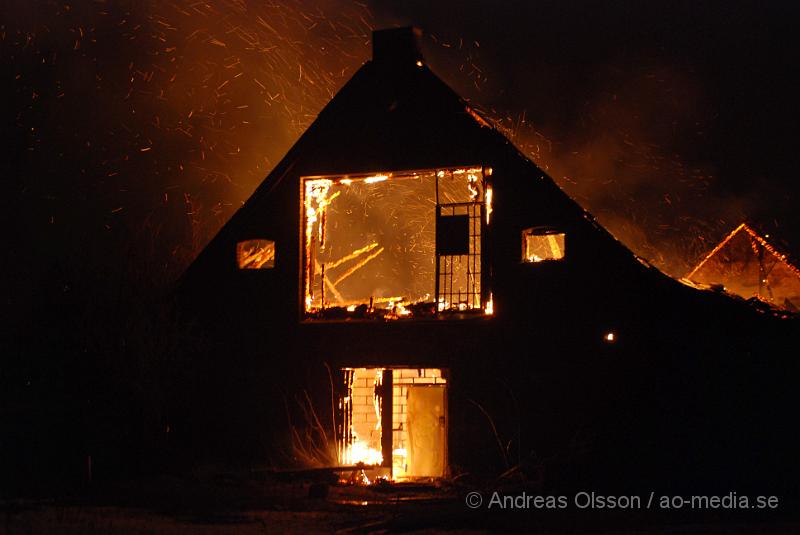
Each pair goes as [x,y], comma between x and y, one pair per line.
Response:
[745,264]
[408,291]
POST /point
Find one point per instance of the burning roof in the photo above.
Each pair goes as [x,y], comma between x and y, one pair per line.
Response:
[745,264]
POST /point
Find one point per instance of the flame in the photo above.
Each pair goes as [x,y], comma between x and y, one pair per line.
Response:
[488,204]
[365,451]
[361,452]
[315,201]
[325,269]
[489,310]
[472,185]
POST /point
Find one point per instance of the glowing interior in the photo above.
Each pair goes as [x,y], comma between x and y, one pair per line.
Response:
[539,246]
[371,243]
[418,426]
[255,254]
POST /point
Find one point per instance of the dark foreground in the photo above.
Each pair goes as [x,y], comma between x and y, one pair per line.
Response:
[245,505]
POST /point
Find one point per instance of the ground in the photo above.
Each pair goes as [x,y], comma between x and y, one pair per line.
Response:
[184,506]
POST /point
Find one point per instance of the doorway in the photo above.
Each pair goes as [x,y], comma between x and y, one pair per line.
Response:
[394,419]
[427,431]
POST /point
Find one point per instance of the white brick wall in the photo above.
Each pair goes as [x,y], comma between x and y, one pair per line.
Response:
[402,379]
[365,419]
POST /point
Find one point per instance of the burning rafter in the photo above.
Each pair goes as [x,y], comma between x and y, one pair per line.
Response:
[351,256]
[753,235]
[745,264]
[358,266]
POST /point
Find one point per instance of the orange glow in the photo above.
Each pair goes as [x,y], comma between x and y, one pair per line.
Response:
[756,237]
[373,253]
[315,200]
[255,254]
[480,120]
[360,452]
[418,424]
[365,442]
[540,245]
[489,195]
[747,265]
[489,310]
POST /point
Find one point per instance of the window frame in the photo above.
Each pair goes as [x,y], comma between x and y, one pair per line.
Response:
[268,265]
[541,231]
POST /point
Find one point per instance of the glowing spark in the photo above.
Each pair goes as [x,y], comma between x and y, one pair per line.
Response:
[376,178]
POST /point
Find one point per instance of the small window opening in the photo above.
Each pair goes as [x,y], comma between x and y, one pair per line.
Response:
[255,254]
[540,245]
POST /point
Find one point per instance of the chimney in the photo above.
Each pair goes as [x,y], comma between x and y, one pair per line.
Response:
[396,46]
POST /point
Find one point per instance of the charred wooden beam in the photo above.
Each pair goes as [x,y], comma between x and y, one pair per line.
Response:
[387,402]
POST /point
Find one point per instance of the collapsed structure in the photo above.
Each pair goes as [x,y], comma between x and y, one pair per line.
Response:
[408,291]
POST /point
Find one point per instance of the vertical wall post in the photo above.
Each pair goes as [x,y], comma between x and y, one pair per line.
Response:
[387,425]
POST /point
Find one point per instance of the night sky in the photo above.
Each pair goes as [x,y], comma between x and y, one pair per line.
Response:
[133,130]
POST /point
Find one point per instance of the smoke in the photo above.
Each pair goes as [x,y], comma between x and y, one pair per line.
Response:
[145,125]
[645,115]
[149,123]
[628,155]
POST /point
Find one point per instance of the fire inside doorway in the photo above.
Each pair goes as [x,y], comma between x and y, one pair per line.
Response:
[395,421]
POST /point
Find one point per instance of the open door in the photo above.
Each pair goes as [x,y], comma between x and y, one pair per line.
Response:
[393,421]
[427,431]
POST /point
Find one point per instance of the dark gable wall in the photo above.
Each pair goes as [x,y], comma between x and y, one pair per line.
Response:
[540,366]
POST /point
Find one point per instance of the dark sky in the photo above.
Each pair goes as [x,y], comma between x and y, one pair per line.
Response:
[135,129]
[670,121]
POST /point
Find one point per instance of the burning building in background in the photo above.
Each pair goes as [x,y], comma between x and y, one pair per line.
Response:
[745,264]
[444,306]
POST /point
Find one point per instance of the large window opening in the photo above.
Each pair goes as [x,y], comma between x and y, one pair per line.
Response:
[395,246]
